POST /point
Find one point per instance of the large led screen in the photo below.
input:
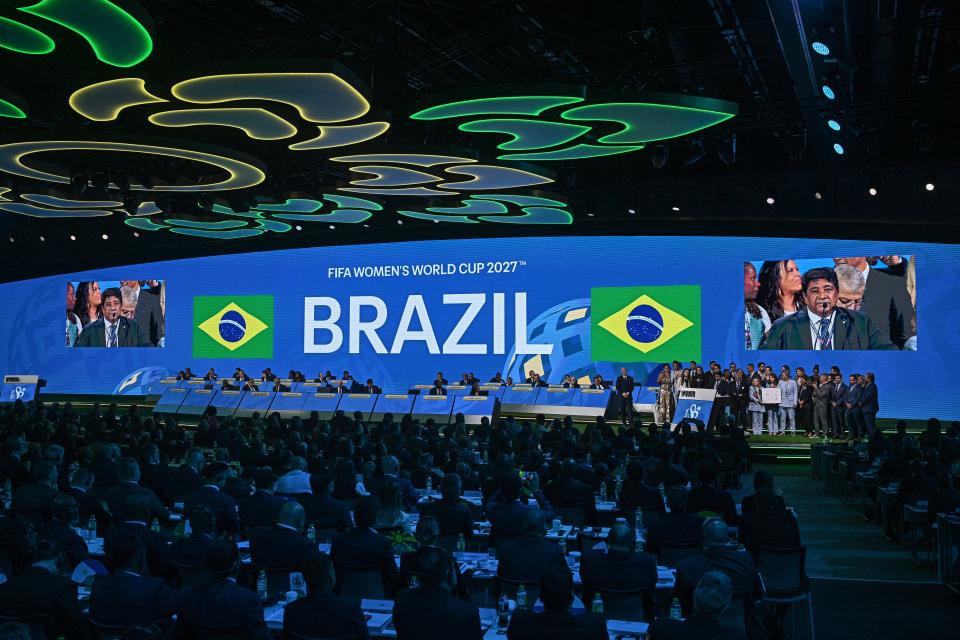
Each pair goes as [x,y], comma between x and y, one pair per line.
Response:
[399,313]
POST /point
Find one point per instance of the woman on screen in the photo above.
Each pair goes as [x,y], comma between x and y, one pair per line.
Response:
[87,306]
[73,322]
[780,287]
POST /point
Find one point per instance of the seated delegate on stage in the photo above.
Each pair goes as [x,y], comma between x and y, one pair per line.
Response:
[822,325]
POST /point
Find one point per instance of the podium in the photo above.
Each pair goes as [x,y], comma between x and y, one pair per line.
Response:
[695,404]
[437,408]
[325,404]
[519,398]
[254,402]
[362,402]
[474,408]
[644,399]
[19,387]
[458,390]
[590,402]
[553,402]
[289,404]
[196,402]
[494,390]
[163,384]
[399,404]
[226,402]
[170,401]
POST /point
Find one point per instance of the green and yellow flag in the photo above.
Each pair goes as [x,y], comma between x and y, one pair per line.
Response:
[233,327]
[645,324]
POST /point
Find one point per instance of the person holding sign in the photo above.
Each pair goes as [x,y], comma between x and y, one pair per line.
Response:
[771,405]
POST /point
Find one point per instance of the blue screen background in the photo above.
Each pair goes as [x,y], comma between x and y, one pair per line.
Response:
[557,278]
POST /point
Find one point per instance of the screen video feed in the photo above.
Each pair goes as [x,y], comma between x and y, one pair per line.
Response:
[866,303]
[116,313]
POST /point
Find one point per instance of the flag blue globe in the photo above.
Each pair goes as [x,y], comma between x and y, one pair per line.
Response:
[567,327]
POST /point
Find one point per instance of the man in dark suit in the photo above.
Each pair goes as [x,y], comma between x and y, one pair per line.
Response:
[127,597]
[148,314]
[705,497]
[437,390]
[838,399]
[453,517]
[186,478]
[88,503]
[262,506]
[527,559]
[737,565]
[739,391]
[869,402]
[128,471]
[625,388]
[325,513]
[191,551]
[283,546]
[568,491]
[391,467]
[430,610]
[37,496]
[112,330]
[12,467]
[556,622]
[212,496]
[677,527]
[221,604]
[507,513]
[711,599]
[885,301]
[66,516]
[42,591]
[769,526]
[619,568]
[134,519]
[823,325]
[363,548]
[322,613]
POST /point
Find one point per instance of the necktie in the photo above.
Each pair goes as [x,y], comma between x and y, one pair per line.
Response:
[824,337]
[112,336]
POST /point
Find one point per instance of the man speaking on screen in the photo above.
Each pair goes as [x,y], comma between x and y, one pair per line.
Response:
[823,326]
[112,330]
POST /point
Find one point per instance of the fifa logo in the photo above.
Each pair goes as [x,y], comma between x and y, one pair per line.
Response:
[693,411]
[687,394]
[17,392]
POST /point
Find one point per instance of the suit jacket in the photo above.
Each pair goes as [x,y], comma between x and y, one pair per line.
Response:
[128,335]
[325,512]
[625,385]
[183,480]
[528,558]
[37,591]
[618,571]
[221,604]
[149,316]
[674,528]
[887,303]
[570,491]
[13,469]
[281,548]
[527,625]
[222,504]
[116,498]
[91,505]
[693,628]
[719,501]
[406,489]
[821,397]
[155,544]
[35,496]
[364,548]
[838,395]
[324,614]
[777,529]
[123,599]
[73,545]
[508,517]
[869,401]
[737,565]
[431,612]
[260,508]
[190,551]
[452,518]
[637,494]
[851,331]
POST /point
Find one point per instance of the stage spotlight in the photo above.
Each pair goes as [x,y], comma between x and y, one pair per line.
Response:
[820,48]
[590,215]
[771,200]
[11,239]
[675,205]
[771,197]
[828,92]
[727,149]
[833,124]
[694,153]
[659,154]
[105,237]
[298,228]
[73,237]
[631,211]
[333,227]
[400,222]
[818,194]
[838,148]
[136,234]
[42,239]
[131,204]
[873,187]
[78,183]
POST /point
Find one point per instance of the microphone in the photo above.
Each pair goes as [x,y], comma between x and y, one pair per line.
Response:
[824,306]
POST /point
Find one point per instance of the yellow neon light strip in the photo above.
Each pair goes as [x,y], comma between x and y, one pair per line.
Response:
[257,123]
[342,136]
[104,101]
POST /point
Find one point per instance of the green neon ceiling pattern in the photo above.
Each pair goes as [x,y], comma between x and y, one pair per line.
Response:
[646,122]
[35,211]
[23,38]
[257,123]
[42,205]
[68,203]
[117,38]
[10,110]
[527,134]
[576,152]
[496,208]
[512,105]
[391,176]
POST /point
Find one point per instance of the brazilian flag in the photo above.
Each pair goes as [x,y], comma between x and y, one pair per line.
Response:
[233,327]
[645,324]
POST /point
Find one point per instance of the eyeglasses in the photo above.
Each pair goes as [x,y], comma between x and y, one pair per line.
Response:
[851,303]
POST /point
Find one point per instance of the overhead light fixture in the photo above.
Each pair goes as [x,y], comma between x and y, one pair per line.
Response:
[78,183]
[931,181]
[833,124]
[873,187]
[675,206]
[136,234]
[659,154]
[400,222]
[727,149]
[105,237]
[333,226]
[771,200]
[828,92]
[695,152]
[73,237]
[838,148]
[590,215]
[820,48]
[11,239]
[771,197]
[298,228]
[821,189]
[42,239]
[631,211]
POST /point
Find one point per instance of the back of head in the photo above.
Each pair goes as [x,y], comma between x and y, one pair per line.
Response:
[390,465]
[762,479]
[428,530]
[677,498]
[65,509]
[715,533]
[127,553]
[222,559]
[366,512]
[216,473]
[621,538]
[533,523]
[635,470]
[82,478]
[202,520]
[556,588]
[44,471]
[318,573]
[450,486]
[320,482]
[128,470]
[712,595]
[434,566]
[708,473]
[569,468]
[293,515]
[266,480]
[511,487]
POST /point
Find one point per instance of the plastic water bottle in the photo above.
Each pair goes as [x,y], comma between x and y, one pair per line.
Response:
[414,582]
[597,604]
[618,491]
[484,456]
[521,597]
[503,611]
[91,529]
[603,491]
[262,584]
[429,485]
[639,520]
[155,527]
[312,532]
[461,543]
[675,609]
[563,546]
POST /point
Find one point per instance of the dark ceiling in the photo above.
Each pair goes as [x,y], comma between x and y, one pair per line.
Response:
[893,64]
